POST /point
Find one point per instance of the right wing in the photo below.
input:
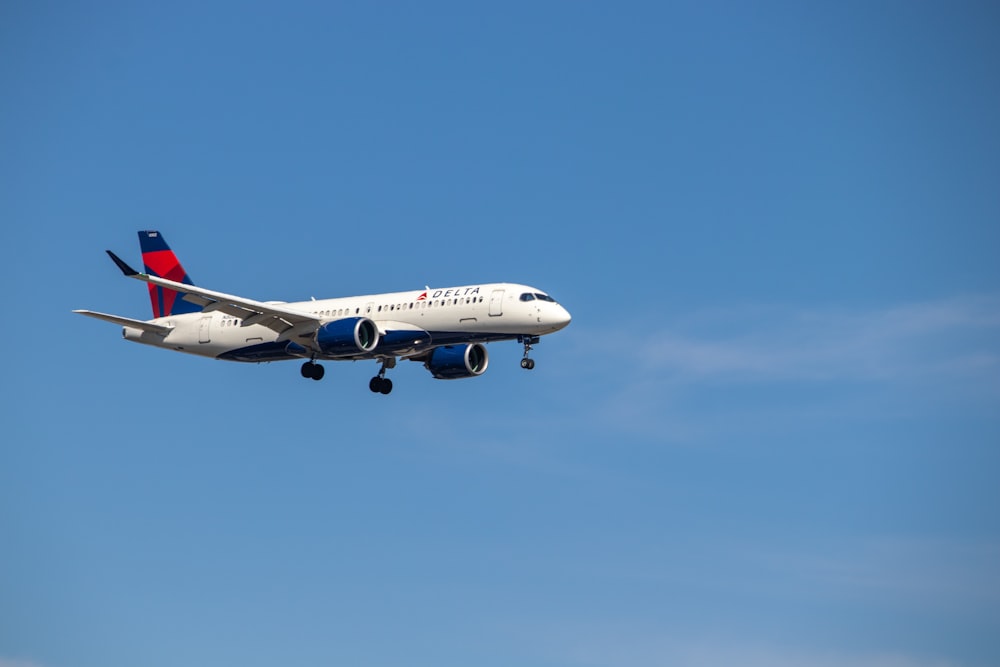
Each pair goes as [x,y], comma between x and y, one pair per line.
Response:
[281,320]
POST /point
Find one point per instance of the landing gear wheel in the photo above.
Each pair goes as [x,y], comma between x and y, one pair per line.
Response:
[380,385]
[527,364]
[313,371]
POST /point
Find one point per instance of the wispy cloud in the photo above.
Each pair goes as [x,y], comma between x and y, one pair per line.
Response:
[715,369]
[16,662]
[591,644]
[684,653]
[757,604]
[957,336]
[914,573]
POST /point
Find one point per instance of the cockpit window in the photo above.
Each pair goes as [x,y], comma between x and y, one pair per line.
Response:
[544,297]
[527,296]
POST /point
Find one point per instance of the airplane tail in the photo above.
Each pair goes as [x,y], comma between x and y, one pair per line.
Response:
[159,260]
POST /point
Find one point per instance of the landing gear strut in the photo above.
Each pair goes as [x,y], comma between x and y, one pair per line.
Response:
[312,370]
[527,363]
[380,384]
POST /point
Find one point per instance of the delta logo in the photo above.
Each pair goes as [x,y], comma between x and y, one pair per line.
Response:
[448,293]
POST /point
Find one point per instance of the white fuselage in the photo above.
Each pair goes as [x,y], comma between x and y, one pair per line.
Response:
[473,313]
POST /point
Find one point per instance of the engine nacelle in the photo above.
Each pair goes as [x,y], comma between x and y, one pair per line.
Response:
[347,337]
[452,362]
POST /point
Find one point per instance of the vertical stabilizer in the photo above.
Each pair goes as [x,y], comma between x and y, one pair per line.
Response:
[159,260]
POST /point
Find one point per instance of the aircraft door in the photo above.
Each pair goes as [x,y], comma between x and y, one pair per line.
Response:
[203,329]
[496,303]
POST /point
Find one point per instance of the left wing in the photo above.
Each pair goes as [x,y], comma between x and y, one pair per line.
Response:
[142,325]
[287,321]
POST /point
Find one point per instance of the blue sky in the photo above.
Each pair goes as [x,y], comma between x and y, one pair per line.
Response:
[770,436]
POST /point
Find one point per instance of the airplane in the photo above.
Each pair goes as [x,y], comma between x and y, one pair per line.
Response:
[446,329]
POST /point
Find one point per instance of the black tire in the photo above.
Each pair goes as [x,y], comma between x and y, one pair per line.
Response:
[307,371]
[375,384]
[386,387]
[318,372]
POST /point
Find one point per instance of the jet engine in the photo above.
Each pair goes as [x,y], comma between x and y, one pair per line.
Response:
[452,362]
[347,337]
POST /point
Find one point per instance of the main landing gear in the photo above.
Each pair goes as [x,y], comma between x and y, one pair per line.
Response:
[380,384]
[527,363]
[312,370]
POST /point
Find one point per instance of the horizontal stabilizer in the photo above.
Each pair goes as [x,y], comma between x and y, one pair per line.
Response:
[127,322]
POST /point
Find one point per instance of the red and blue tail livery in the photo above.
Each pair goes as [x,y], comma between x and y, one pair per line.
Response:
[160,261]
[446,329]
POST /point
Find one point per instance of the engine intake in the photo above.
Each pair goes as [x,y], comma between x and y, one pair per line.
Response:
[347,337]
[452,362]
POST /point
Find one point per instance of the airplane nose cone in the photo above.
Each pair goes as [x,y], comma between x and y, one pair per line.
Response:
[562,318]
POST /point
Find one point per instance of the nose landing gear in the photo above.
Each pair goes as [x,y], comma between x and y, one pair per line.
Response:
[527,363]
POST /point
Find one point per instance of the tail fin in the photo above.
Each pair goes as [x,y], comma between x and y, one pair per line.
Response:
[159,260]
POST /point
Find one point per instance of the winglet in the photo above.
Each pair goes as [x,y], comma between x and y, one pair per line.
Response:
[126,269]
